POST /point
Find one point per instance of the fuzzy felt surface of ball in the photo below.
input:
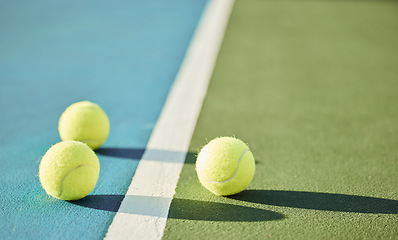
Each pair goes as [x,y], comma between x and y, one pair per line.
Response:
[225,166]
[85,122]
[69,170]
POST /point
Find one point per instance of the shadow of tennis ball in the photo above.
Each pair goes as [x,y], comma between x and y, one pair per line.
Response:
[213,211]
[320,201]
[179,209]
[148,154]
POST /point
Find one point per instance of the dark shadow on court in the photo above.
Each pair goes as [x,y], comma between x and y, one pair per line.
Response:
[109,203]
[320,201]
[179,209]
[213,211]
[126,153]
[150,154]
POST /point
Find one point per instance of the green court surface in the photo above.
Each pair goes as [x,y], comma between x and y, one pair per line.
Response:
[312,87]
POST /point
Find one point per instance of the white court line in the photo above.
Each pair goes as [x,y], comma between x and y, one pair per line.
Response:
[143,212]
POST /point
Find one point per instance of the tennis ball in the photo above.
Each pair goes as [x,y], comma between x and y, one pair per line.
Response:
[225,166]
[69,170]
[85,122]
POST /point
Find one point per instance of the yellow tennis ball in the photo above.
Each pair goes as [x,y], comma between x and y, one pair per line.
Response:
[85,122]
[225,166]
[69,170]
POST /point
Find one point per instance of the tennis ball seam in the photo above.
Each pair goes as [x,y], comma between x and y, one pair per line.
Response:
[233,175]
[71,170]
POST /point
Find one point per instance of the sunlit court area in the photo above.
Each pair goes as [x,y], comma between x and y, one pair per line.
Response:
[200,119]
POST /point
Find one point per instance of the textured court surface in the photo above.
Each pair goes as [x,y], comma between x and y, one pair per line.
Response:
[123,56]
[312,87]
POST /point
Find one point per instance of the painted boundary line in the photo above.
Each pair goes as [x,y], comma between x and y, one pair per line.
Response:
[143,212]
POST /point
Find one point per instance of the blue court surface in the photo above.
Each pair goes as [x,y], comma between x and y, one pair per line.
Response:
[123,56]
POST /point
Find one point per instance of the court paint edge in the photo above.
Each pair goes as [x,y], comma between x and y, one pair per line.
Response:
[153,185]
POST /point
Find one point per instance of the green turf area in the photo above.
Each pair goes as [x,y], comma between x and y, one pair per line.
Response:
[312,87]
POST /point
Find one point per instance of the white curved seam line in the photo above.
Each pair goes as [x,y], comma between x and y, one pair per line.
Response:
[233,175]
[62,181]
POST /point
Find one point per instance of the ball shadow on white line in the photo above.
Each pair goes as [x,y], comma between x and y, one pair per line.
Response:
[180,208]
[148,154]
